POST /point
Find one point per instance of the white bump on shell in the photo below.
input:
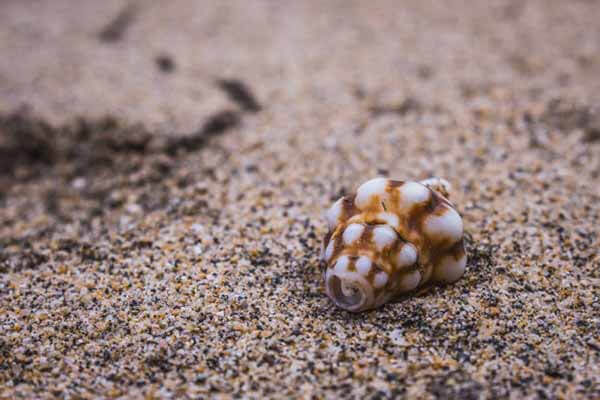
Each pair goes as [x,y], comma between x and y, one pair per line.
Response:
[341,265]
[380,280]
[407,255]
[333,214]
[438,184]
[409,281]
[449,269]
[413,192]
[448,225]
[363,265]
[390,219]
[369,189]
[383,236]
[329,250]
[352,233]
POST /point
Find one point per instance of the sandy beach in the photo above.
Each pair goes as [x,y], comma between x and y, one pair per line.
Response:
[165,168]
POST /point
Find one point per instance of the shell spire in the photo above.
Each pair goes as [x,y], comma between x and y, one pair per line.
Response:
[390,238]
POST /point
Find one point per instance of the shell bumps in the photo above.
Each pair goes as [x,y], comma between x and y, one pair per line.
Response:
[389,238]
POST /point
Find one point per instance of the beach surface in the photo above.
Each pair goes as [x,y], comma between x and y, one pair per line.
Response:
[165,168]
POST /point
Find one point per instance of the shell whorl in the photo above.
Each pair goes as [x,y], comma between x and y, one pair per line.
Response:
[389,238]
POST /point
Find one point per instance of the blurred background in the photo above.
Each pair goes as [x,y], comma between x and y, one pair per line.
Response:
[156,62]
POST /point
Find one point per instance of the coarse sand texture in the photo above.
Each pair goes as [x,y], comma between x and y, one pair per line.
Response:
[166,170]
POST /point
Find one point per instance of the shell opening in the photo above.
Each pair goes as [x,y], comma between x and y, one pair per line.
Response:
[349,292]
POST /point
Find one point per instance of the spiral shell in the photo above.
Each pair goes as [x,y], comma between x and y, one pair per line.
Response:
[389,238]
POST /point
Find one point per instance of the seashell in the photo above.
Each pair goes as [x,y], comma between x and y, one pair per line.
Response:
[389,238]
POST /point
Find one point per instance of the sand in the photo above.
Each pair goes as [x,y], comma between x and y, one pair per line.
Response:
[164,169]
